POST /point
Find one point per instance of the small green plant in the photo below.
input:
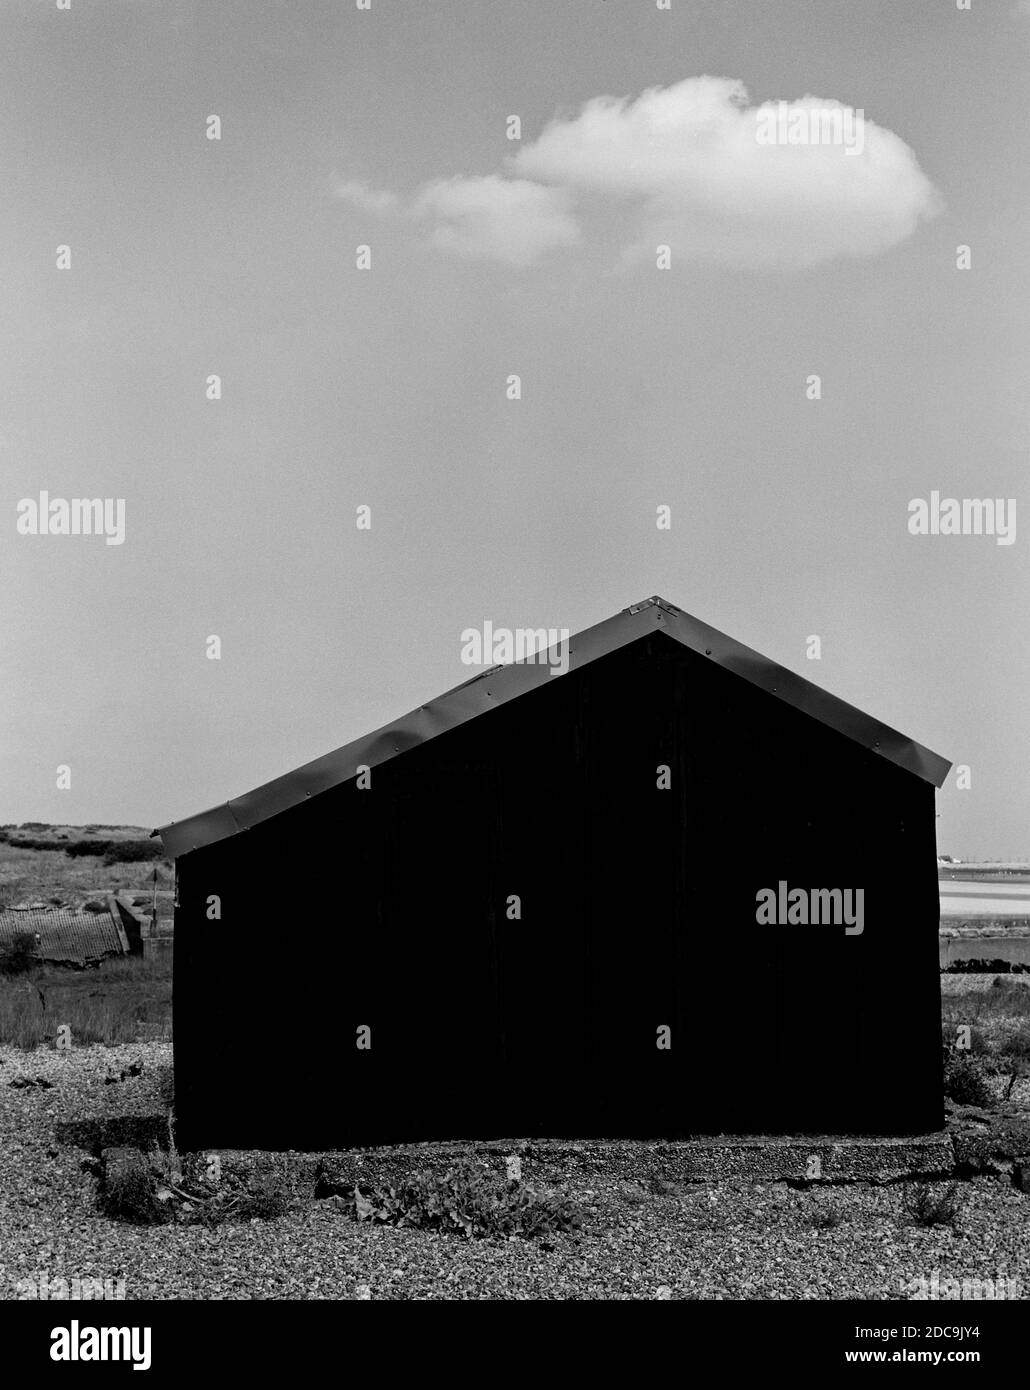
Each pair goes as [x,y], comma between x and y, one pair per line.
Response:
[468,1199]
[927,1208]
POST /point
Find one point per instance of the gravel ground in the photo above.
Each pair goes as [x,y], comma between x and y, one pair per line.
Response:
[698,1241]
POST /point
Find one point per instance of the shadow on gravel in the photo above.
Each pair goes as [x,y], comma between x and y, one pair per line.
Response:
[123,1131]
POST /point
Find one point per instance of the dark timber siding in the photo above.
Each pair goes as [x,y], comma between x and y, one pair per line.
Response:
[387,907]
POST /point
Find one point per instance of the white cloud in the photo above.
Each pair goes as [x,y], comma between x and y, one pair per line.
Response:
[689,160]
[379,202]
[511,220]
[689,166]
[490,217]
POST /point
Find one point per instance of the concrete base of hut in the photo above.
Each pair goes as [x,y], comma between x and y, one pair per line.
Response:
[974,1143]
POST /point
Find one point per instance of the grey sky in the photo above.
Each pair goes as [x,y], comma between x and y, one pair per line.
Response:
[386,387]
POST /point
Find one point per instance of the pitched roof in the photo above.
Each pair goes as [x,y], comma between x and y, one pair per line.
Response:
[499,684]
[67,937]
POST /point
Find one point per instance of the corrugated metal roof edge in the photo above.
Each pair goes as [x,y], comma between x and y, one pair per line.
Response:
[502,683]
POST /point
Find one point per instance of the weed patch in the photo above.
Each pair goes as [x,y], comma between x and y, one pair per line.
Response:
[468,1199]
[966,1079]
[924,1207]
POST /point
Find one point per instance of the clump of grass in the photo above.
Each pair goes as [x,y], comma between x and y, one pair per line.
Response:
[265,1201]
[966,1079]
[155,1191]
[130,1193]
[468,1199]
[927,1208]
[998,1023]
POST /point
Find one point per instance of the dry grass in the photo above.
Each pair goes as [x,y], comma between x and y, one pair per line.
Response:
[121,1000]
[1006,1003]
[999,1023]
[50,875]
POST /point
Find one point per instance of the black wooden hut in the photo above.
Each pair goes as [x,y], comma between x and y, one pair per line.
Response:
[641,808]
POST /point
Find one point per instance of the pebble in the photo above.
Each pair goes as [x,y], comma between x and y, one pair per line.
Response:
[697,1241]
